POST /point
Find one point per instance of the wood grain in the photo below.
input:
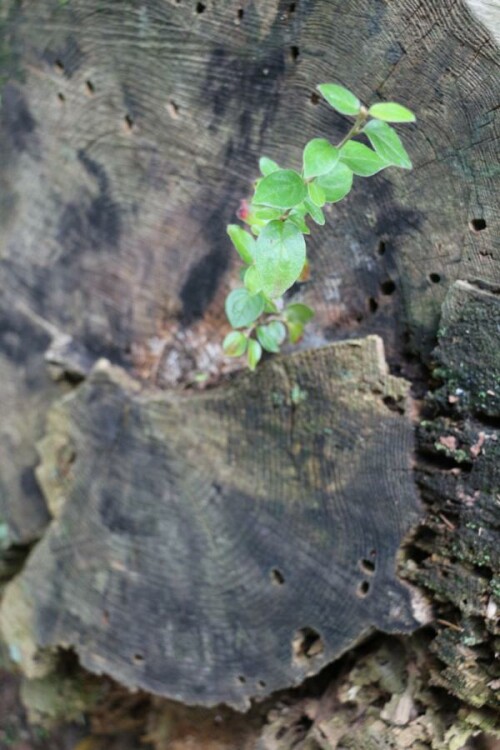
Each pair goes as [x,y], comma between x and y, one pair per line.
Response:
[129,131]
[220,547]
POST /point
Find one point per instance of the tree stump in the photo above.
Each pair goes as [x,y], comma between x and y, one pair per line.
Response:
[129,131]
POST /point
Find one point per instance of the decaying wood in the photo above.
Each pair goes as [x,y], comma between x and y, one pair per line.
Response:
[130,131]
[458,547]
[216,547]
[380,696]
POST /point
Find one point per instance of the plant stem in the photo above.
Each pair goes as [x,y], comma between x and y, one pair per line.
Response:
[356,128]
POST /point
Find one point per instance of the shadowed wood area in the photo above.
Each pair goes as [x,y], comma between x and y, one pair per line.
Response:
[129,131]
[216,547]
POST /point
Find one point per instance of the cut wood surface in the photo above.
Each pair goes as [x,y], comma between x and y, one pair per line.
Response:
[216,547]
[129,131]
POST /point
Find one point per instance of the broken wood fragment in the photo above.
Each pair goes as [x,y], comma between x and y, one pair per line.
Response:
[216,547]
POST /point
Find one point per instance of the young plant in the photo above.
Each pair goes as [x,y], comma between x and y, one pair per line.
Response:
[274,251]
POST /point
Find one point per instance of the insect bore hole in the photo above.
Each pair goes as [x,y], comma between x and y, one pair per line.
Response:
[200,8]
[367,566]
[477,225]
[277,577]
[388,287]
[363,589]
[435,278]
[306,644]
[173,109]
[294,52]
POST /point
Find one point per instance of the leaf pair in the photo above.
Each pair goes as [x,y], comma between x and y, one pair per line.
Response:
[388,151]
[345,102]
[236,344]
[271,336]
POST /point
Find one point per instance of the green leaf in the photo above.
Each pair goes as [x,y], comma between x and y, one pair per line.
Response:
[297,215]
[282,189]
[299,222]
[391,112]
[235,344]
[280,256]
[267,166]
[254,353]
[265,214]
[278,330]
[319,157]
[298,313]
[252,280]
[315,212]
[295,331]
[387,144]
[360,159]
[243,242]
[299,210]
[340,98]
[270,307]
[337,183]
[242,308]
[316,194]
[271,336]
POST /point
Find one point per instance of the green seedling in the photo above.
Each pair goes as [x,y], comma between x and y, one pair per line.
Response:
[284,200]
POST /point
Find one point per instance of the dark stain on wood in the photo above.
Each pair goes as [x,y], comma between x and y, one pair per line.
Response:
[20,340]
[93,225]
[16,118]
[243,80]
[201,285]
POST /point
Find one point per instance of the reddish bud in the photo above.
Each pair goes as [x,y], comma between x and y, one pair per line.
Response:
[243,211]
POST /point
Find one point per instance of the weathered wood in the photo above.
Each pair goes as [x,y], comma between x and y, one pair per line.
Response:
[469,351]
[216,547]
[489,14]
[128,134]
[458,548]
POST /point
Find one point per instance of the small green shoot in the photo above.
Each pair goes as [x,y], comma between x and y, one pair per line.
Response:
[274,250]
